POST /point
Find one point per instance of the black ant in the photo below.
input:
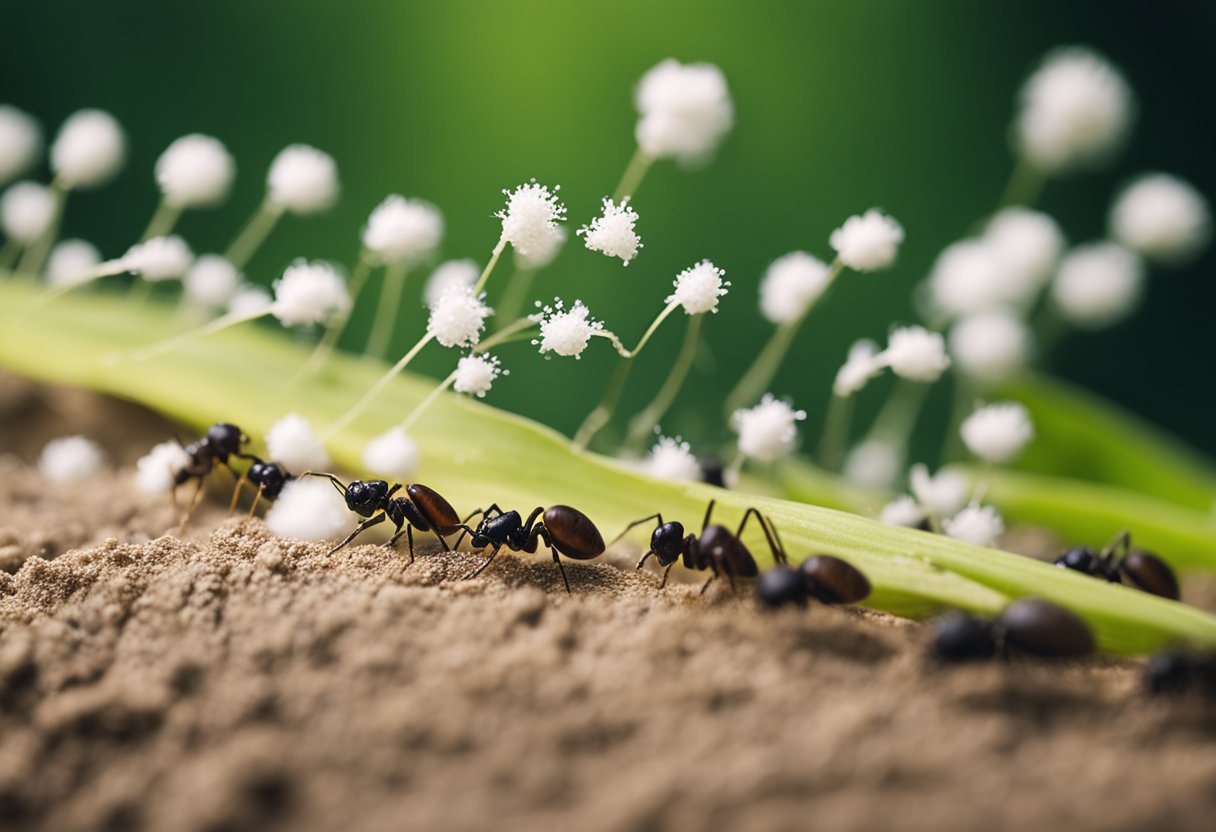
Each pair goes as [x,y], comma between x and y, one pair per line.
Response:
[1118,560]
[564,530]
[221,442]
[423,509]
[1032,625]
[1175,672]
[717,548]
[827,579]
[268,478]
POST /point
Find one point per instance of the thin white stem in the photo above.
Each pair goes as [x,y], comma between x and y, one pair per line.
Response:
[635,172]
[375,390]
[36,253]
[835,432]
[428,401]
[106,269]
[515,295]
[255,232]
[643,424]
[218,325]
[164,219]
[389,308]
[485,273]
[325,347]
[621,349]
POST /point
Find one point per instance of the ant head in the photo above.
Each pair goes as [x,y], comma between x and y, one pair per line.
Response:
[366,497]
[1081,559]
[224,439]
[269,476]
[666,542]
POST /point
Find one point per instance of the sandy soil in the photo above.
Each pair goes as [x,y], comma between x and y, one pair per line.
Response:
[232,680]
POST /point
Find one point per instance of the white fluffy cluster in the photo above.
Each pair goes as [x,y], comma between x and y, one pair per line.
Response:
[195,171]
[874,463]
[968,278]
[308,509]
[211,282]
[1076,111]
[902,511]
[402,230]
[685,111]
[531,217]
[1028,245]
[292,443]
[71,459]
[249,300]
[27,210]
[303,180]
[475,374]
[158,259]
[1097,285]
[698,288]
[940,494]
[613,232]
[997,433]
[990,346]
[791,284]
[391,454]
[861,366]
[20,142]
[89,151]
[671,459]
[1162,218]
[156,471]
[449,275]
[978,525]
[458,317]
[70,260]
[565,331]
[868,242]
[767,431]
[543,253]
[310,293]
[916,354]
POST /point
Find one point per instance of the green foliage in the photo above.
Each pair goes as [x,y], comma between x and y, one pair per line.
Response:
[475,454]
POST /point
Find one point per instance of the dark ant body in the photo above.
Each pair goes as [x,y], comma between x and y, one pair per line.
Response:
[1173,672]
[716,549]
[423,509]
[827,579]
[1118,561]
[268,478]
[564,530]
[217,447]
[1031,625]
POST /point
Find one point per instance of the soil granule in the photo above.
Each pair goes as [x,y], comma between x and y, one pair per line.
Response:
[230,680]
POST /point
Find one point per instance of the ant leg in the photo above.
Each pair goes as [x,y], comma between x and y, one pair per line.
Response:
[236,493]
[362,527]
[635,523]
[464,524]
[709,509]
[667,572]
[561,569]
[773,545]
[705,585]
[645,558]
[409,540]
[256,499]
[482,568]
[198,495]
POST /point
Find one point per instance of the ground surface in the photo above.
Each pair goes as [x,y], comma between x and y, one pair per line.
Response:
[231,680]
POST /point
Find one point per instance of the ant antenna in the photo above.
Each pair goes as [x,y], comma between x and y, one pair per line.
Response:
[336,482]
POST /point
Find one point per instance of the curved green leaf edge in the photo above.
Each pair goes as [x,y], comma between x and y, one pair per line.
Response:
[475,454]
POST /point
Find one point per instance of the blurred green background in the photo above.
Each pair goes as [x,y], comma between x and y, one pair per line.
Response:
[840,106]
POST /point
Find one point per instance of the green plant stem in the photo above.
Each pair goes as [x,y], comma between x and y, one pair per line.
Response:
[835,437]
[254,234]
[622,350]
[325,347]
[36,253]
[163,221]
[965,393]
[374,391]
[180,340]
[485,273]
[635,172]
[515,295]
[512,332]
[387,311]
[763,370]
[643,424]
[1025,185]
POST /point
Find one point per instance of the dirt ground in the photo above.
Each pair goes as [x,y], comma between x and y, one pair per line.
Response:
[232,680]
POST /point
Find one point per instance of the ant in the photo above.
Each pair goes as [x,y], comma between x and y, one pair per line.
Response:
[1118,560]
[1032,625]
[221,442]
[716,549]
[827,579]
[564,530]
[1175,672]
[423,509]
[268,477]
